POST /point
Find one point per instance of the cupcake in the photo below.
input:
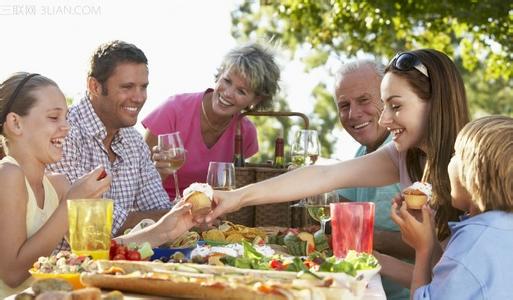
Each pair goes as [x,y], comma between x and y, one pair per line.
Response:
[200,196]
[417,195]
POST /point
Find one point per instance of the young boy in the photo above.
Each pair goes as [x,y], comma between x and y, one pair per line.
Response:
[477,262]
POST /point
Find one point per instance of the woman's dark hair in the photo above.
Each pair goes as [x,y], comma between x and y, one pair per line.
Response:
[445,92]
[16,93]
[107,56]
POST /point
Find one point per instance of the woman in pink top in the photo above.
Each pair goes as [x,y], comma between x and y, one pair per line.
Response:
[246,80]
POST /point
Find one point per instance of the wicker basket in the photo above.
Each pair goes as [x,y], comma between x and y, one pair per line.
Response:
[280,214]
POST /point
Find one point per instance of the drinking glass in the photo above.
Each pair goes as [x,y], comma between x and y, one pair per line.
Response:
[304,151]
[318,207]
[172,150]
[221,175]
[90,225]
[305,148]
[352,227]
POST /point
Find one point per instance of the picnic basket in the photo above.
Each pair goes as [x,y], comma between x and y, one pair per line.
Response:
[279,214]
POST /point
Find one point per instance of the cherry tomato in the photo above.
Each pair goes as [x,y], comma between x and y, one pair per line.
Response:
[133,255]
[118,257]
[121,250]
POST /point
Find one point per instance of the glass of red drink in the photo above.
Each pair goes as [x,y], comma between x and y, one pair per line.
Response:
[352,227]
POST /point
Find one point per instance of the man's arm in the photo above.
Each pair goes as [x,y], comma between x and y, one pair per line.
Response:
[137,216]
[152,201]
[391,243]
[394,269]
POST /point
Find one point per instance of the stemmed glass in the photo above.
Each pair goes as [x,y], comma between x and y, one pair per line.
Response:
[305,148]
[221,176]
[318,207]
[304,151]
[172,150]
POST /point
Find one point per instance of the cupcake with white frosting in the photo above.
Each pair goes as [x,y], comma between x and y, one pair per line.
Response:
[417,194]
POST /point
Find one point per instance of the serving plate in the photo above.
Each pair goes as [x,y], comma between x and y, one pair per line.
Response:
[72,278]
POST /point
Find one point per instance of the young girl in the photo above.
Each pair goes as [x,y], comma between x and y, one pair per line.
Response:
[33,216]
[424,108]
[477,262]
[33,210]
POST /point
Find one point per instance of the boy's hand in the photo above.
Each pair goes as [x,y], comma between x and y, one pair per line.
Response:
[419,234]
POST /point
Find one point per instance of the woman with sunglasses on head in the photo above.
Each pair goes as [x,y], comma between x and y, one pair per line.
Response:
[425,106]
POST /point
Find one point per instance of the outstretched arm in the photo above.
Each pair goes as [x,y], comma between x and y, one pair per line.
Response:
[173,224]
[308,181]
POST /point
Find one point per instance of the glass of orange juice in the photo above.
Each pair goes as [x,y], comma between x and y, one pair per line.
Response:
[90,225]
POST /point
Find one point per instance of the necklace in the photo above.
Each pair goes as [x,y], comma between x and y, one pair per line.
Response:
[216,129]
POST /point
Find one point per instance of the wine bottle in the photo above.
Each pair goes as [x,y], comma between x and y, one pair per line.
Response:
[238,159]
[279,157]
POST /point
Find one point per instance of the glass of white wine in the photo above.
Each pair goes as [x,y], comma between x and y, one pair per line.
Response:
[172,151]
[221,176]
[304,151]
[318,206]
[305,148]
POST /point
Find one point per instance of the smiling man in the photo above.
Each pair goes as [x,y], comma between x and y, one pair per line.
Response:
[102,132]
[358,98]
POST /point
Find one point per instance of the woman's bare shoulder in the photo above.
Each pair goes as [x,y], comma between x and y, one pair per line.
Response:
[12,183]
[60,182]
[10,173]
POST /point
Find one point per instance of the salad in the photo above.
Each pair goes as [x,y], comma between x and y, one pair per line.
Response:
[64,262]
[315,262]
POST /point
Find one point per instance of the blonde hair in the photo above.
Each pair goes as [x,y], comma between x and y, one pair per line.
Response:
[256,64]
[485,150]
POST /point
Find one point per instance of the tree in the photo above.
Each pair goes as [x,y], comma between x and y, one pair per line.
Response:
[480,31]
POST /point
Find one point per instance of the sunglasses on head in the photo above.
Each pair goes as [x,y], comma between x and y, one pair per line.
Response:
[407,61]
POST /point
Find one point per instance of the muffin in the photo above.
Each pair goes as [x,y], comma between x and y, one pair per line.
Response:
[200,196]
[417,195]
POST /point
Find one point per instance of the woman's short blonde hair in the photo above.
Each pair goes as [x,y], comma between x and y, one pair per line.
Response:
[257,64]
[485,150]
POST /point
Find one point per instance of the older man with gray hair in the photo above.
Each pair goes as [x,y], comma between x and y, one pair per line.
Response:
[358,99]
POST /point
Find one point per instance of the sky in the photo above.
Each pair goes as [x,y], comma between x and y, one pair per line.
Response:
[184,41]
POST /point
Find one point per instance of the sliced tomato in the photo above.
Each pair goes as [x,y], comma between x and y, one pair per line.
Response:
[276,265]
[102,175]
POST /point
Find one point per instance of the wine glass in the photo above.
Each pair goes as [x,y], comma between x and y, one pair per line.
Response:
[221,175]
[318,206]
[305,150]
[172,150]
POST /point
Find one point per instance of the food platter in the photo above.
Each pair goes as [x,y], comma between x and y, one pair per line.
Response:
[247,269]
[219,282]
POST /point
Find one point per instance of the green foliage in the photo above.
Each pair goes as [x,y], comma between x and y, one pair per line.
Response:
[324,118]
[481,29]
